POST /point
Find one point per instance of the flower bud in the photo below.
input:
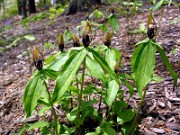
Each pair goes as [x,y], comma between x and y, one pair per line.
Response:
[37,58]
[61,42]
[151,26]
[86,40]
[107,39]
[39,64]
[76,42]
[150,32]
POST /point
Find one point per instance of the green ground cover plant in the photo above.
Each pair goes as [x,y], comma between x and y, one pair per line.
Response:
[87,84]
[75,97]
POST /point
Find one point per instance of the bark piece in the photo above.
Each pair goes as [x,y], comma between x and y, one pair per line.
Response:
[158,130]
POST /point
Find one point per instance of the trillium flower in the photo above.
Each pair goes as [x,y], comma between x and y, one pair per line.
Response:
[76,42]
[107,38]
[86,40]
[61,42]
[37,58]
[151,26]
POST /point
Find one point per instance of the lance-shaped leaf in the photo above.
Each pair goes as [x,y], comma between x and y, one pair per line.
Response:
[123,78]
[32,93]
[97,14]
[95,69]
[104,65]
[39,124]
[51,73]
[143,63]
[112,90]
[51,58]
[58,62]
[67,74]
[158,5]
[166,62]
[113,21]
[110,58]
[29,37]
[137,54]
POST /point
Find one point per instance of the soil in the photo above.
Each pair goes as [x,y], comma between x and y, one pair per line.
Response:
[161,110]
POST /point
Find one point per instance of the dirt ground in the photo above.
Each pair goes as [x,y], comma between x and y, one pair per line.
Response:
[161,110]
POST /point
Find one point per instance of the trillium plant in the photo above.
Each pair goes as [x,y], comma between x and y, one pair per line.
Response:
[87,86]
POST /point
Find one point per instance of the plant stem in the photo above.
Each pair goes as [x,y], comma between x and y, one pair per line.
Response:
[52,110]
[100,100]
[80,97]
[139,109]
[100,103]
[71,100]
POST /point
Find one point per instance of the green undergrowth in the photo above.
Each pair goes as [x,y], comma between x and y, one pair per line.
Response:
[88,82]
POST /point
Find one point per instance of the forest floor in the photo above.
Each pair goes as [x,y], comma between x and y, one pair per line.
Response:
[161,110]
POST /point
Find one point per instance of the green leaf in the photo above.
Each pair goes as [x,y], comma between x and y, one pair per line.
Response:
[67,74]
[112,1]
[157,78]
[142,42]
[27,88]
[92,67]
[97,13]
[107,129]
[127,84]
[14,43]
[100,48]
[51,58]
[119,105]
[110,58]
[90,89]
[166,62]
[67,35]
[72,115]
[39,124]
[49,45]
[125,116]
[29,37]
[92,133]
[113,21]
[2,49]
[157,5]
[143,63]
[58,62]
[85,112]
[104,28]
[110,131]
[41,112]
[117,54]
[68,131]
[104,65]
[112,90]
[32,93]
[23,130]
[136,55]
[51,73]
[127,128]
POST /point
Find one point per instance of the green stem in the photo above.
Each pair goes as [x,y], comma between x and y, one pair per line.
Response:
[139,109]
[80,97]
[53,110]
